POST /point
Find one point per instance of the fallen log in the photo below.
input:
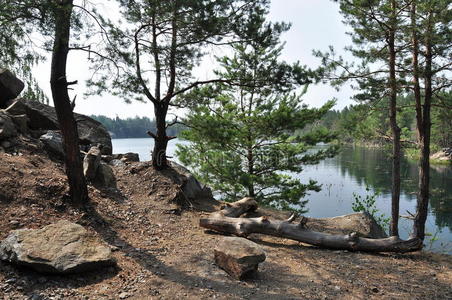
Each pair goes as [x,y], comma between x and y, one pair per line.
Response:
[228,220]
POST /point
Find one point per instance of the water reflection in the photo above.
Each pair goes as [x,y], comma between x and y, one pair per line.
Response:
[372,167]
[355,168]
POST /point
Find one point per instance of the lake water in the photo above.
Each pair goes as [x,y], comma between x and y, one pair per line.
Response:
[350,172]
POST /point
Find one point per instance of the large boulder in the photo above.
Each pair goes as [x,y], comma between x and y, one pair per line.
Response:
[362,223]
[239,257]
[191,187]
[7,127]
[63,247]
[10,87]
[42,116]
[91,163]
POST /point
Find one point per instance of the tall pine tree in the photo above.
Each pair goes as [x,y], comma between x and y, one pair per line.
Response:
[377,43]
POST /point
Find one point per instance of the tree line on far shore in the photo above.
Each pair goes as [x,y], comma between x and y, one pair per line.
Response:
[360,125]
[136,127]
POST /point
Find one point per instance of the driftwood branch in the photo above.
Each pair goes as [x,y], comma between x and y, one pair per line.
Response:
[228,220]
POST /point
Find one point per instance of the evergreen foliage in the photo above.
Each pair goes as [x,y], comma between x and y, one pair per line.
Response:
[243,139]
[18,52]
[361,124]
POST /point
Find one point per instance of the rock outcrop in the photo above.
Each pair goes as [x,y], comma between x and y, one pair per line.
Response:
[43,117]
[191,187]
[239,257]
[7,126]
[362,223]
[61,248]
[105,176]
[10,87]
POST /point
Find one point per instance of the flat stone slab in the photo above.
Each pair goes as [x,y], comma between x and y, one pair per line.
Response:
[60,248]
[239,257]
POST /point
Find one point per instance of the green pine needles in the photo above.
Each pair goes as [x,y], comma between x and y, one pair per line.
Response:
[245,135]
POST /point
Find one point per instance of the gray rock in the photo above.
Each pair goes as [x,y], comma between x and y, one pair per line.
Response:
[10,87]
[21,122]
[105,176]
[362,223]
[126,157]
[41,116]
[63,247]
[91,163]
[239,257]
[191,187]
[7,126]
[116,163]
[53,143]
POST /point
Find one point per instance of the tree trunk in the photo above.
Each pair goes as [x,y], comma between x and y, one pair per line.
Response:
[415,63]
[160,139]
[424,141]
[395,129]
[250,158]
[74,170]
[227,221]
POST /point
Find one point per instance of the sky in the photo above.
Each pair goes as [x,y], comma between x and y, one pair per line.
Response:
[316,24]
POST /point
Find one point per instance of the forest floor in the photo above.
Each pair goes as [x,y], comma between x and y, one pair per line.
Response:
[162,254]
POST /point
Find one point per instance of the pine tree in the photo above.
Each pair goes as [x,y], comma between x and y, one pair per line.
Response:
[377,40]
[57,22]
[18,52]
[242,136]
[430,44]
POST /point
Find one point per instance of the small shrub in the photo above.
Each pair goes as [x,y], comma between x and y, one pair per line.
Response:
[367,204]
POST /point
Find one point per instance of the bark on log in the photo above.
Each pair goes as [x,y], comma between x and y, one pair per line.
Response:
[227,220]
